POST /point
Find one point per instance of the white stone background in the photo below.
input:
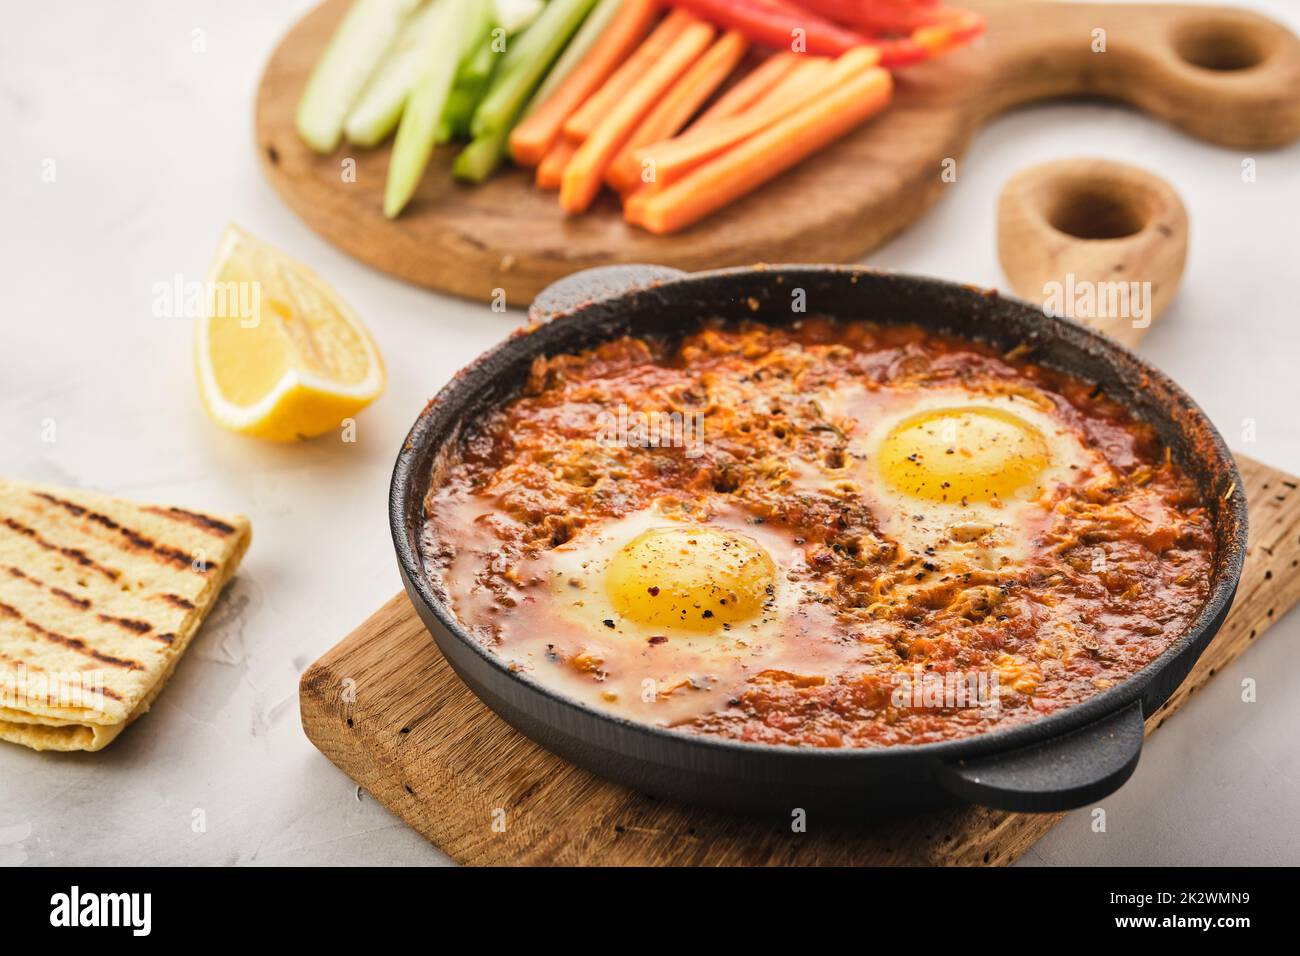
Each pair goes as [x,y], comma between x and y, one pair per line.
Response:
[154,153]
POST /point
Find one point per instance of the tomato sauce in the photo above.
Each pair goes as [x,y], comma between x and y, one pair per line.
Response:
[895,627]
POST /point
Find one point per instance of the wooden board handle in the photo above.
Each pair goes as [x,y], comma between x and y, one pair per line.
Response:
[1228,76]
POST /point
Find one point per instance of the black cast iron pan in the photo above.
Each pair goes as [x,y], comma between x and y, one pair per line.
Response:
[1060,761]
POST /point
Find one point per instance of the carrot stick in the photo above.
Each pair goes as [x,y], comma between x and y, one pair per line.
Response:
[673,159]
[678,105]
[768,153]
[802,78]
[550,170]
[634,203]
[583,175]
[701,142]
[813,79]
[751,89]
[533,138]
[597,106]
[809,78]
[753,85]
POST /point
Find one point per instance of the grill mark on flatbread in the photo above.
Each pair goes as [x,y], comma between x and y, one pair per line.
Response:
[82,603]
[74,554]
[18,662]
[135,539]
[129,624]
[14,662]
[73,643]
[201,521]
[175,600]
[135,627]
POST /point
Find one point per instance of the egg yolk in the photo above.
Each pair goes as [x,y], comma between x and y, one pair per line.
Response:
[963,454]
[692,579]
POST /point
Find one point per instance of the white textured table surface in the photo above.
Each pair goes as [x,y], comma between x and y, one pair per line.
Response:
[152,153]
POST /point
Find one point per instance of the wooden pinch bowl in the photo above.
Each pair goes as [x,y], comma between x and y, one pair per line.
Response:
[1098,241]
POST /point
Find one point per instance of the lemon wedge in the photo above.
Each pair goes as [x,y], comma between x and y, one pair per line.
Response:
[277,354]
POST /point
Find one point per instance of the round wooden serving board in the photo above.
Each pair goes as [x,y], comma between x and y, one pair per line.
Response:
[1227,76]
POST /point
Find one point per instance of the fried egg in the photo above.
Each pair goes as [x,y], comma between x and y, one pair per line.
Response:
[654,573]
[961,474]
[657,613]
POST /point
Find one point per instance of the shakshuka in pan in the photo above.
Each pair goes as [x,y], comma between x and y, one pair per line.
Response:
[829,533]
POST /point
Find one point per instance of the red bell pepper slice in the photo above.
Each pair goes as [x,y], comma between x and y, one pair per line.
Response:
[927,29]
[775,23]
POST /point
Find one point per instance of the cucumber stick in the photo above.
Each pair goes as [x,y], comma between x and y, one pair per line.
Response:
[476,70]
[376,113]
[514,15]
[471,82]
[441,56]
[476,161]
[354,52]
[526,61]
[592,30]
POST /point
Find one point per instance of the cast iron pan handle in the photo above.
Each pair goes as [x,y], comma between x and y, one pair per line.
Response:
[592,285]
[1059,774]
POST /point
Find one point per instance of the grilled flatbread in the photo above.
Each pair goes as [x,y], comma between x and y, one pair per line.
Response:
[99,598]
